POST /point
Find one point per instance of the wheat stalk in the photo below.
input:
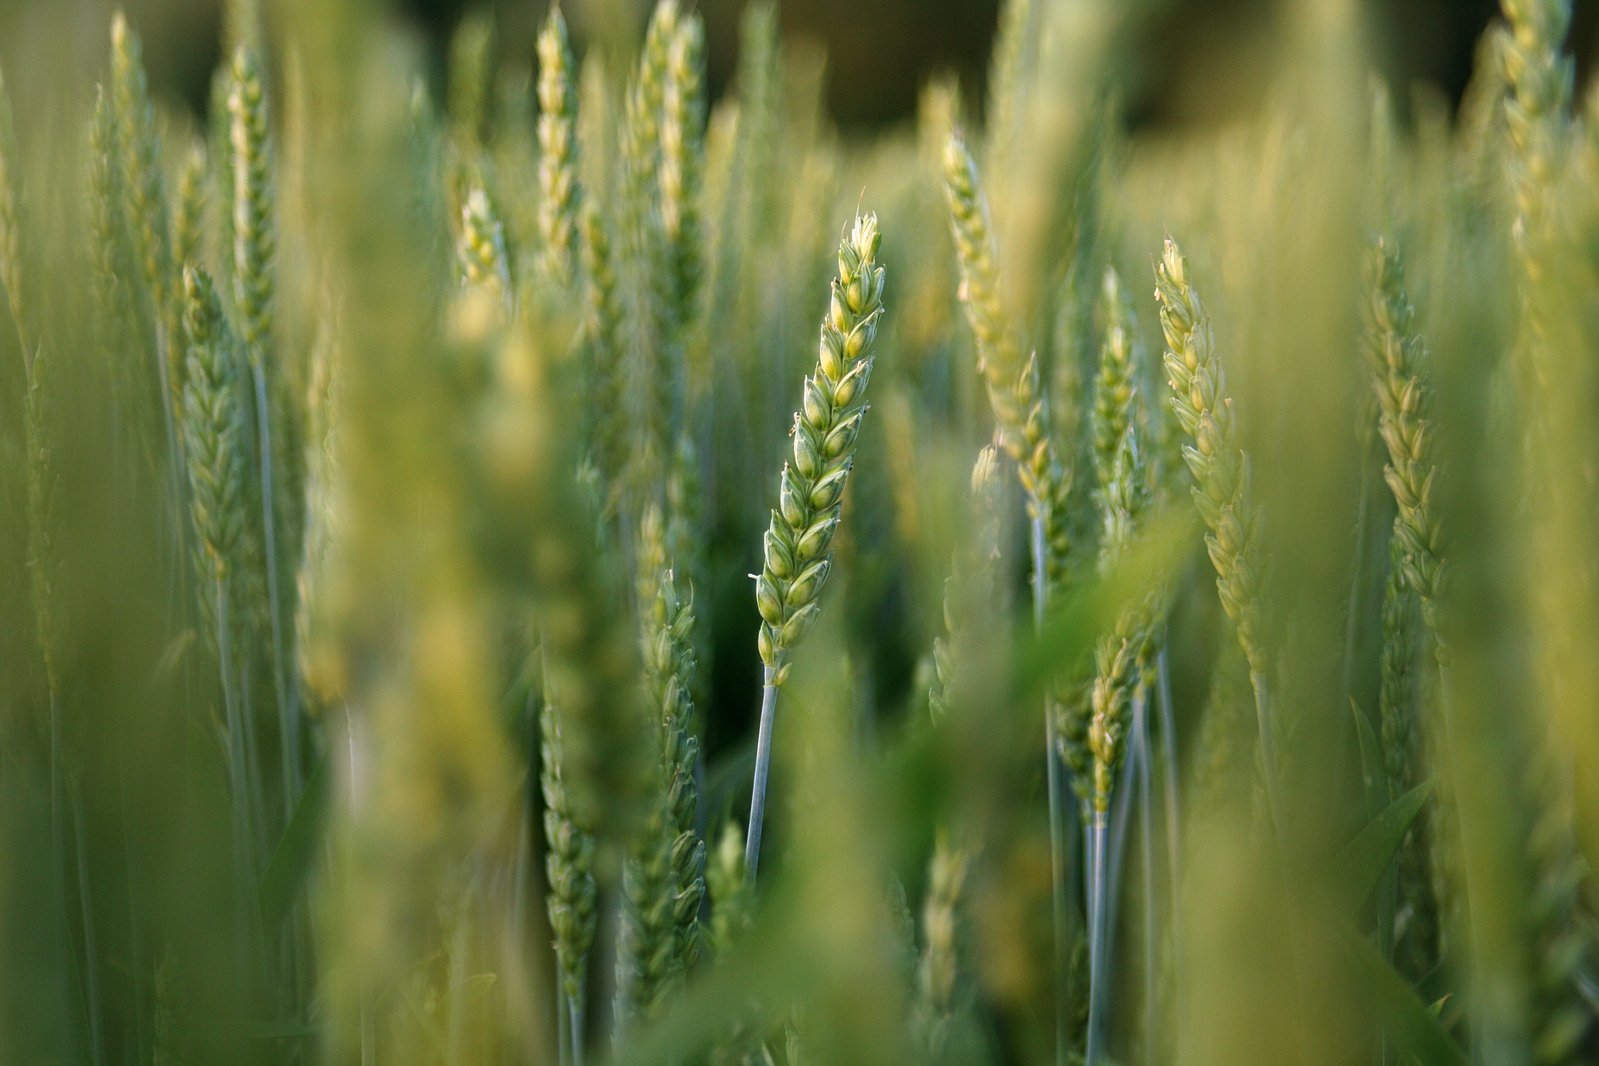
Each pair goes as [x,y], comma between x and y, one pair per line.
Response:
[572,896]
[1021,416]
[1221,490]
[254,295]
[215,439]
[1122,495]
[144,212]
[1397,358]
[664,881]
[811,489]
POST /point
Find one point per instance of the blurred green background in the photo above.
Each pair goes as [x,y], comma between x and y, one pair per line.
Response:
[1200,59]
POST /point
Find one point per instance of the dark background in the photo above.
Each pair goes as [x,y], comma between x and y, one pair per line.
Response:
[1197,60]
[880,52]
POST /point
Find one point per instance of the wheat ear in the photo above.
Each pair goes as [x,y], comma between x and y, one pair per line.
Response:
[217,452]
[1021,416]
[1221,489]
[136,160]
[798,542]
[560,194]
[254,296]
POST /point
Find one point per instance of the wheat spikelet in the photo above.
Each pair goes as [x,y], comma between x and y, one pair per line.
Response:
[215,426]
[1015,393]
[111,260]
[139,152]
[1221,490]
[1536,109]
[682,147]
[571,898]
[561,196]
[797,554]
[188,223]
[1398,358]
[811,488]
[142,212]
[254,238]
[938,970]
[481,250]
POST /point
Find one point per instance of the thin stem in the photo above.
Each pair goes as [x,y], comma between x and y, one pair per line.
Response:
[91,980]
[563,1026]
[1146,841]
[174,445]
[574,1007]
[288,726]
[1057,860]
[763,766]
[1268,752]
[1168,754]
[235,721]
[1098,845]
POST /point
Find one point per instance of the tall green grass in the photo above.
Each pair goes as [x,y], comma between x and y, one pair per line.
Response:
[1184,645]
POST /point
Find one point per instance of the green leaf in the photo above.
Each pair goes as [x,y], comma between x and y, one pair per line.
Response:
[1366,857]
[1410,1024]
[291,859]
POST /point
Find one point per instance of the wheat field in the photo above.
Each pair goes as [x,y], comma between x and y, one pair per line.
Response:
[523,559]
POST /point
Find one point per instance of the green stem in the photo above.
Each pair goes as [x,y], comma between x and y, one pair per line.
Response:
[763,766]
[237,774]
[1098,845]
[1052,782]
[1169,780]
[1146,840]
[1268,752]
[563,1026]
[91,951]
[288,725]
[574,1007]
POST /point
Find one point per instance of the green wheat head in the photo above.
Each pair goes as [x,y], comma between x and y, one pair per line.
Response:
[1219,467]
[560,194]
[811,488]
